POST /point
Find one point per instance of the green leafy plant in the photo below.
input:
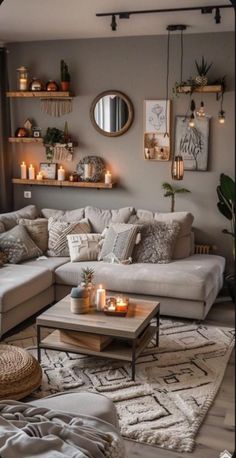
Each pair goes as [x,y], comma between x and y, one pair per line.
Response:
[65,75]
[87,275]
[203,67]
[52,136]
[171,191]
[226,205]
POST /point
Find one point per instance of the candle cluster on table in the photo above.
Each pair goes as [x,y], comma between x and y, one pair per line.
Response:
[117,306]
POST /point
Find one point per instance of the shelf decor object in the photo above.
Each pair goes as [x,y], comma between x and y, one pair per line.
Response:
[54,103]
[91,169]
[156,124]
[22,78]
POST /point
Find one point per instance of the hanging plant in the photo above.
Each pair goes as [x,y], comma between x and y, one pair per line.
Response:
[50,139]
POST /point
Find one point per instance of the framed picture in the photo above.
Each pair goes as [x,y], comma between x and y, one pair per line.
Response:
[49,170]
[157,116]
[156,124]
[192,143]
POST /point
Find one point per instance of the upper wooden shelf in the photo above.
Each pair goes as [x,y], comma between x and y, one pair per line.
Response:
[25,140]
[41,94]
[63,184]
[213,89]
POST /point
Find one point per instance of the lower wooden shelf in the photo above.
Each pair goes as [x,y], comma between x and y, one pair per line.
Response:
[63,184]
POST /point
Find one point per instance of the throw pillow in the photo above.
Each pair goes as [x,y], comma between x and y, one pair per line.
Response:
[38,231]
[119,242]
[2,227]
[18,245]
[57,235]
[100,218]
[157,242]
[9,220]
[3,258]
[84,247]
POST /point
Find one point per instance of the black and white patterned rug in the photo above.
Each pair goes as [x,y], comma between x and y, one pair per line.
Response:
[174,388]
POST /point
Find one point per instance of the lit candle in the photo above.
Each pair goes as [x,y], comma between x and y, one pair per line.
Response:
[87,171]
[39,176]
[31,172]
[108,177]
[122,304]
[61,174]
[23,171]
[111,308]
[100,298]
[23,84]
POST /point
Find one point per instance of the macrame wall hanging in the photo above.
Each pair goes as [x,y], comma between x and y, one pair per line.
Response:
[63,152]
[56,107]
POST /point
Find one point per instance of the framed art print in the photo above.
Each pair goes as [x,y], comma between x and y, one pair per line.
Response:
[49,170]
[192,143]
[156,123]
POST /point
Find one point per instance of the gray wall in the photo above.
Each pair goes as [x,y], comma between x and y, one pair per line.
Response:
[135,66]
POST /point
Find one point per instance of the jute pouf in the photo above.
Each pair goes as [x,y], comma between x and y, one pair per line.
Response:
[20,372]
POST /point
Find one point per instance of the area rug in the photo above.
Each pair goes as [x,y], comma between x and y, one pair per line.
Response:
[174,388]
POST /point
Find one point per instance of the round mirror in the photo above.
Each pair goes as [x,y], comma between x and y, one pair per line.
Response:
[112,113]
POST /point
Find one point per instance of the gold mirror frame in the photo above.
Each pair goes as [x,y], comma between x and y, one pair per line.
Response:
[130,113]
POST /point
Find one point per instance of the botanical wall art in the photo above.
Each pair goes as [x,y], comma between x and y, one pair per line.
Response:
[192,142]
[157,130]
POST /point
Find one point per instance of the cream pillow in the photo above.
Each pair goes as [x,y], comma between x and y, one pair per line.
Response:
[57,235]
[119,242]
[38,231]
[84,247]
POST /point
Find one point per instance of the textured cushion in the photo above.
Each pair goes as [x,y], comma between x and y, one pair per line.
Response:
[119,241]
[63,215]
[2,227]
[58,231]
[192,278]
[18,245]
[100,218]
[19,283]
[84,247]
[38,231]
[9,220]
[157,242]
[3,258]
[183,247]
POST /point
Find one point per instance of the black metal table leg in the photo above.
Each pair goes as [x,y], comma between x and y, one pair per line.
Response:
[158,327]
[133,359]
[38,344]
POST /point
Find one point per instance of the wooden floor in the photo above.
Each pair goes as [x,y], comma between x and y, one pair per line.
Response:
[217,432]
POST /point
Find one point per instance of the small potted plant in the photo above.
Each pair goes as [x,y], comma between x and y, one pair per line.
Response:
[87,276]
[52,136]
[202,69]
[65,76]
[171,191]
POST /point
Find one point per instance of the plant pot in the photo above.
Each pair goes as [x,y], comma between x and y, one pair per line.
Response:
[231,284]
[65,85]
[201,80]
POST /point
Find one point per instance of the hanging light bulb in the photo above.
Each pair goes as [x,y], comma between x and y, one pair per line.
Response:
[192,117]
[221,117]
[201,111]
[178,168]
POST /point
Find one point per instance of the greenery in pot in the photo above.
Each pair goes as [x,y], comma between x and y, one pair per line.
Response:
[171,191]
[226,206]
[87,277]
[65,76]
[52,136]
[202,68]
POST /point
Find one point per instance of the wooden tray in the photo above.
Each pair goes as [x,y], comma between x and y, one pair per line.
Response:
[111,313]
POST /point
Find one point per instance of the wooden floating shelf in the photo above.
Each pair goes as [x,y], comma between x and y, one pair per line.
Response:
[25,140]
[41,94]
[213,89]
[63,184]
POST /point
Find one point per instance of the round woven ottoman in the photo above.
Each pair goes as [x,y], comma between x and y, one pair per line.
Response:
[20,373]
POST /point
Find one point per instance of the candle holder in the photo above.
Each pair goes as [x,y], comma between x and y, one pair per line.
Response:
[116,306]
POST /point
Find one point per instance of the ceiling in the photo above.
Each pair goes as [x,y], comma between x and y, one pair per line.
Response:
[30,20]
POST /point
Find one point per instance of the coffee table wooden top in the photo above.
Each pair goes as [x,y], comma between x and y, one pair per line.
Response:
[139,315]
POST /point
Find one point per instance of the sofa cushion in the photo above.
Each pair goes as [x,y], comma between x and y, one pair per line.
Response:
[63,215]
[191,278]
[99,218]
[37,230]
[50,263]
[119,242]
[58,231]
[157,242]
[9,220]
[18,283]
[2,227]
[18,245]
[84,247]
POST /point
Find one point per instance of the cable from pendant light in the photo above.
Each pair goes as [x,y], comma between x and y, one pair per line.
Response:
[181,55]
[167,134]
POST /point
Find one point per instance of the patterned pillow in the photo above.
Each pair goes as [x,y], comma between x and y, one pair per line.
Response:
[84,247]
[57,235]
[18,246]
[119,242]
[38,231]
[3,259]
[157,242]
[2,227]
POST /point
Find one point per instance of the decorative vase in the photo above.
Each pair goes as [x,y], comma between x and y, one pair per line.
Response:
[201,80]
[91,290]
[79,300]
[65,85]
[36,85]
[52,86]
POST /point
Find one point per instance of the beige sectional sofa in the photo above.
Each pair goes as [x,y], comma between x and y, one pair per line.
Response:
[186,287]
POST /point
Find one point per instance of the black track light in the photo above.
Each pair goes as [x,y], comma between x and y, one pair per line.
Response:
[113,23]
[218,16]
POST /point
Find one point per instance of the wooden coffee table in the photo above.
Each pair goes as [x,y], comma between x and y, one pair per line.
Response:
[130,334]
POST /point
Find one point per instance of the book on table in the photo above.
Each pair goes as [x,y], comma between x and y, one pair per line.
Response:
[94,342]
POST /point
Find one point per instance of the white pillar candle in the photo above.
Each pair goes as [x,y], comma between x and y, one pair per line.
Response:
[87,171]
[23,84]
[108,177]
[61,174]
[31,172]
[100,298]
[23,171]
[39,176]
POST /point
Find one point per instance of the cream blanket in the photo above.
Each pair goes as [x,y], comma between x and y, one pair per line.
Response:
[27,431]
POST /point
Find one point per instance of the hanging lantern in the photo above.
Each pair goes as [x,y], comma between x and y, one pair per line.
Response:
[22,78]
[221,117]
[192,117]
[201,111]
[178,168]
